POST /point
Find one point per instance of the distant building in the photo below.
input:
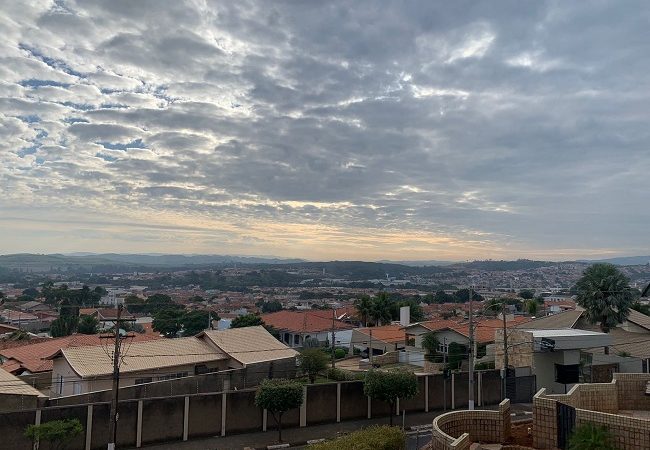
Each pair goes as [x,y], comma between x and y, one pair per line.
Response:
[297,326]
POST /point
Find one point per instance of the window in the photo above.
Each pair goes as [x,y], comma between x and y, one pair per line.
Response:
[171,376]
[143,380]
[443,348]
[59,384]
[76,387]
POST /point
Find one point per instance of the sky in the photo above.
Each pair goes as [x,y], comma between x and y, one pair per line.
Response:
[326,130]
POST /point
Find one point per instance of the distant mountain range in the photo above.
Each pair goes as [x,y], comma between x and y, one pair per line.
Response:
[623,260]
[112,262]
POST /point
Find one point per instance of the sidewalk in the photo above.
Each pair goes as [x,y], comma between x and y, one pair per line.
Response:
[294,436]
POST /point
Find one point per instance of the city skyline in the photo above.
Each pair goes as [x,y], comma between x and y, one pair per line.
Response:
[361,131]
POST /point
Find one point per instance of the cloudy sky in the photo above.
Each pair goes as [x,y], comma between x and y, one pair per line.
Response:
[329,129]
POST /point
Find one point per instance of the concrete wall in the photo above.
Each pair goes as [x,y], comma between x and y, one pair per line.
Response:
[180,417]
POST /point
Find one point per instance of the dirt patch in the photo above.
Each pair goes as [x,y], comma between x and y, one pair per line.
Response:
[519,434]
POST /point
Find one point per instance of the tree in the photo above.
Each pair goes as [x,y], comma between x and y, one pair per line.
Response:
[380,311]
[88,325]
[64,326]
[605,294]
[643,309]
[456,353]
[56,432]
[272,306]
[158,302]
[31,292]
[278,396]
[168,322]
[589,436]
[247,320]
[430,343]
[527,294]
[196,321]
[311,361]
[388,386]
[363,305]
[531,307]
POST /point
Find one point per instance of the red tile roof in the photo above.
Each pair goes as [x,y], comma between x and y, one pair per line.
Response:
[387,333]
[483,331]
[303,321]
[31,357]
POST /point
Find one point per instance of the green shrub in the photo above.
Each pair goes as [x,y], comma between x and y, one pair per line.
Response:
[372,438]
[590,436]
[339,353]
[337,374]
[56,432]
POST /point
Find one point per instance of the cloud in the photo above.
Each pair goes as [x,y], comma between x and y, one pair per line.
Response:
[332,129]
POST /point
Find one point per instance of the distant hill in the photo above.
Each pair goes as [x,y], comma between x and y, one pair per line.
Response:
[623,260]
[115,261]
[520,264]
[417,263]
[362,270]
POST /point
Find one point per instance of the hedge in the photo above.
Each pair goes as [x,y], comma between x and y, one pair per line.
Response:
[371,438]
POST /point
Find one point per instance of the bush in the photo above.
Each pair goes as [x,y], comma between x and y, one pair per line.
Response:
[372,438]
[337,374]
[590,436]
[339,353]
[56,432]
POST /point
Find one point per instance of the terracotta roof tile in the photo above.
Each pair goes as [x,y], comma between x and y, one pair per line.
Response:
[302,321]
[32,356]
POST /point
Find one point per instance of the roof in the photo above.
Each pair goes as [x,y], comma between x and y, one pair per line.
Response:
[249,345]
[303,321]
[9,314]
[639,319]
[105,313]
[562,332]
[31,357]
[435,325]
[483,331]
[387,333]
[12,385]
[4,328]
[566,319]
[635,344]
[94,361]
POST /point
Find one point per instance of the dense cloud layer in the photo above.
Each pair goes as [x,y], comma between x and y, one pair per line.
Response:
[325,129]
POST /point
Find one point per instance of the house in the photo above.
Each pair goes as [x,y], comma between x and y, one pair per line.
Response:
[16,394]
[255,349]
[106,316]
[29,360]
[80,370]
[554,355]
[382,339]
[297,326]
[34,305]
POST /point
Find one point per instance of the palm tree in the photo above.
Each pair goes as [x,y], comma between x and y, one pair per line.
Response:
[381,309]
[363,306]
[605,294]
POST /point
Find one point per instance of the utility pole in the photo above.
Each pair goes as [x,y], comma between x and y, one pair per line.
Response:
[370,349]
[333,337]
[505,348]
[444,368]
[112,425]
[470,402]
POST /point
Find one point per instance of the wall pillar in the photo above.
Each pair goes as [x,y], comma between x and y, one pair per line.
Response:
[426,393]
[89,426]
[138,436]
[37,422]
[338,402]
[303,408]
[453,393]
[397,407]
[480,388]
[265,418]
[186,419]
[369,408]
[224,397]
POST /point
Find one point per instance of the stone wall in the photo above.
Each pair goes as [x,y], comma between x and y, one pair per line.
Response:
[520,348]
[457,430]
[598,403]
[386,358]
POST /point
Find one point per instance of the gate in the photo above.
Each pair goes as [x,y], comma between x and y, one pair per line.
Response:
[521,389]
[566,421]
